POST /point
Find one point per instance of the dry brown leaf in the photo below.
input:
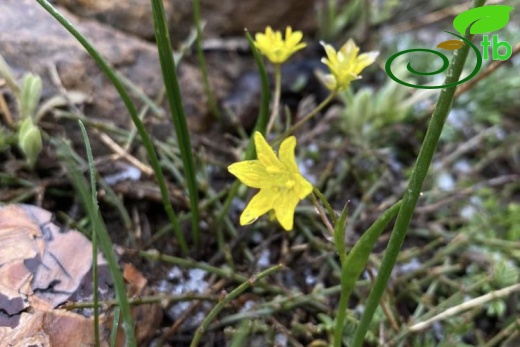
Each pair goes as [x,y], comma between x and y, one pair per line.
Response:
[41,267]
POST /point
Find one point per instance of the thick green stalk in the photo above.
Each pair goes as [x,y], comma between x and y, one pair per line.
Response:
[305,119]
[171,83]
[412,192]
[145,138]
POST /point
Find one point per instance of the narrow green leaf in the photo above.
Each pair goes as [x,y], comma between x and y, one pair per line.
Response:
[355,262]
[263,114]
[7,74]
[202,61]
[30,97]
[66,153]
[173,92]
[339,234]
[30,140]
[145,138]
[95,207]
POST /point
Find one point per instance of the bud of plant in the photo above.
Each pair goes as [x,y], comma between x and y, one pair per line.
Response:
[8,75]
[30,97]
[30,140]
[4,141]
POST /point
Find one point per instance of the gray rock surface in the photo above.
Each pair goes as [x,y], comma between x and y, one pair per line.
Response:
[223,17]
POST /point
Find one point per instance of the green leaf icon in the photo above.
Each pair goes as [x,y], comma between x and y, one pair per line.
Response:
[451,45]
[483,19]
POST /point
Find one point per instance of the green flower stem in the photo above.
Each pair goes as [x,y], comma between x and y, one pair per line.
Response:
[188,263]
[202,61]
[143,300]
[265,97]
[354,264]
[233,191]
[178,117]
[314,112]
[306,118]
[412,192]
[325,203]
[277,93]
[236,292]
[261,124]
[145,138]
[322,214]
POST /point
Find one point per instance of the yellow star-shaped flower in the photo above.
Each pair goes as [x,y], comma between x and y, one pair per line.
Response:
[345,65]
[276,49]
[278,178]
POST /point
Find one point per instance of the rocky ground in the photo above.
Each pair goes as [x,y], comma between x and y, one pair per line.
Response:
[450,251]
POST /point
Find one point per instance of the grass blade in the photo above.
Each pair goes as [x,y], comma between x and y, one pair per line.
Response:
[177,112]
[95,208]
[263,113]
[80,184]
[354,264]
[145,138]
[202,61]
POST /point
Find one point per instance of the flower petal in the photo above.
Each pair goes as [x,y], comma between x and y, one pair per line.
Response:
[331,55]
[327,79]
[266,155]
[365,60]
[293,38]
[261,203]
[252,173]
[288,33]
[302,188]
[275,47]
[284,210]
[350,51]
[286,154]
